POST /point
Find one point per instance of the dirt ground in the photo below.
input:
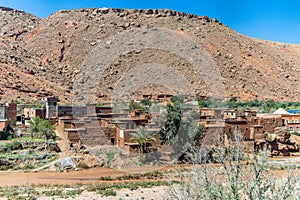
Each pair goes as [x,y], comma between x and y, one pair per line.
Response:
[92,175]
[155,193]
[72,177]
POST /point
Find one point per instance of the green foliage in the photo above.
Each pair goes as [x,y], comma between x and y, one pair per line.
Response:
[13,145]
[142,136]
[34,105]
[172,123]
[41,128]
[73,193]
[295,133]
[181,134]
[109,189]
[189,134]
[8,133]
[177,100]
[108,192]
[135,106]
[146,102]
[3,135]
[51,193]
[264,106]
[148,175]
[202,103]
[110,156]
[232,179]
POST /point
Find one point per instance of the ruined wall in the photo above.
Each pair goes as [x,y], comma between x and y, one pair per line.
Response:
[270,123]
[76,111]
[34,112]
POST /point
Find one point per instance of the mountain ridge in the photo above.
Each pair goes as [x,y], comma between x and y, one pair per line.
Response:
[54,47]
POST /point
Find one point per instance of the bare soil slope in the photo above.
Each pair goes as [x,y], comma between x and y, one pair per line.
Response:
[40,57]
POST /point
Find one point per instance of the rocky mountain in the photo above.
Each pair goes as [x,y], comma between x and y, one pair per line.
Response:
[42,57]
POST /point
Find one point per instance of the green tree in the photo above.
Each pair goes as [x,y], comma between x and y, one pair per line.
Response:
[146,102]
[142,137]
[202,103]
[34,126]
[172,123]
[181,133]
[177,100]
[135,106]
[188,136]
[41,128]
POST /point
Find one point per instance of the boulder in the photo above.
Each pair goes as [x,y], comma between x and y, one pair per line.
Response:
[66,164]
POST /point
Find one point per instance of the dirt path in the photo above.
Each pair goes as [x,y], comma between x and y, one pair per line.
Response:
[84,176]
[88,176]
[93,175]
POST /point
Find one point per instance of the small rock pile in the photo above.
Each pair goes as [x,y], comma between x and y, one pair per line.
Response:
[278,142]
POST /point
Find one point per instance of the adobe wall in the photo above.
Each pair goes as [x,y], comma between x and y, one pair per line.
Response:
[12,113]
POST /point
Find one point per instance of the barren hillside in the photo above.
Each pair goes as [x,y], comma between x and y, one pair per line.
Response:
[40,57]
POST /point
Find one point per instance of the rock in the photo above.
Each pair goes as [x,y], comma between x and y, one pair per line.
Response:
[3,147]
[122,162]
[90,161]
[53,146]
[66,164]
[104,10]
[149,12]
[41,157]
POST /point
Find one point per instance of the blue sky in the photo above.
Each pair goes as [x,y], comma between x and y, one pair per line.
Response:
[276,20]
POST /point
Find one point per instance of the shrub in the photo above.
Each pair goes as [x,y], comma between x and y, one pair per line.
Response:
[232,179]
[110,156]
[146,102]
[51,193]
[108,192]
[13,145]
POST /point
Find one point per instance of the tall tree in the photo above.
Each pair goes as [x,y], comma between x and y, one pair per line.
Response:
[172,123]
[142,137]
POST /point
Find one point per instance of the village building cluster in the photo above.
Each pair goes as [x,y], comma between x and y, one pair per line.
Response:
[91,125]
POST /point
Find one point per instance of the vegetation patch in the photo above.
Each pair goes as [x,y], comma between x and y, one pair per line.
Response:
[110,156]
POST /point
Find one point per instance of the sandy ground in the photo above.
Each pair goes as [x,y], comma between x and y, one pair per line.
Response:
[93,175]
[82,176]
[155,193]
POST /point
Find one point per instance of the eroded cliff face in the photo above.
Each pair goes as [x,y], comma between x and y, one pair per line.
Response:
[41,57]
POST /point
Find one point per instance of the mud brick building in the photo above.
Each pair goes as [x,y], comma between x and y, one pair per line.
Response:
[9,112]
[222,124]
[292,122]
[91,126]
[3,124]
[101,127]
[51,107]
[35,112]
[76,111]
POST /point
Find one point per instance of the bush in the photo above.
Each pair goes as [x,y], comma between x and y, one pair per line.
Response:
[135,106]
[108,192]
[232,179]
[146,102]
[13,145]
[51,193]
[110,156]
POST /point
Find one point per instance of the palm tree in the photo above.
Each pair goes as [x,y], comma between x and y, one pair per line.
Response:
[42,128]
[34,126]
[142,136]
